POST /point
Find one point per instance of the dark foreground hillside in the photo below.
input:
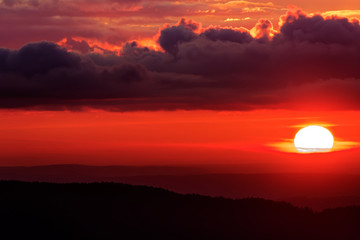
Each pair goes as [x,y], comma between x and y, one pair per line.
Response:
[118,211]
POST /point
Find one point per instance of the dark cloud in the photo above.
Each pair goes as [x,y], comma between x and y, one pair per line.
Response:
[190,24]
[227,34]
[172,36]
[312,60]
[38,58]
[187,30]
[300,27]
[133,49]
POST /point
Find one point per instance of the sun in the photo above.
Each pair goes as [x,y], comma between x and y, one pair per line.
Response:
[314,139]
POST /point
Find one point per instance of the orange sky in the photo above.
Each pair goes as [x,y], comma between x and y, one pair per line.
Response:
[174,138]
[111,23]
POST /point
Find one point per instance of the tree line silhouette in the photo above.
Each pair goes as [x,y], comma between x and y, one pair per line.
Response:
[119,211]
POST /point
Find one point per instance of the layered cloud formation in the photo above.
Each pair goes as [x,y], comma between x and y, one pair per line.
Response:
[311,61]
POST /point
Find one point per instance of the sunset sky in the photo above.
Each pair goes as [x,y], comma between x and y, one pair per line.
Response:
[207,82]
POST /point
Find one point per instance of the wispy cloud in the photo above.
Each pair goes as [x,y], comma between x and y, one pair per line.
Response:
[236,19]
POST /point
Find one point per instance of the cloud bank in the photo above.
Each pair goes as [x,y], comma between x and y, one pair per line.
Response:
[310,62]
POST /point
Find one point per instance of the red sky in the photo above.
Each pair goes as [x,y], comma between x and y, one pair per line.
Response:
[176,138]
[123,82]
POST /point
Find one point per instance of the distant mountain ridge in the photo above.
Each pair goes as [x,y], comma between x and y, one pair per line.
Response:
[318,191]
[119,211]
[75,172]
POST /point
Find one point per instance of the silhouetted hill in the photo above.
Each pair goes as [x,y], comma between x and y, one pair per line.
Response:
[118,211]
[317,191]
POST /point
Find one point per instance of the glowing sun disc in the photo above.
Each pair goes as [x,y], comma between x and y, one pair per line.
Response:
[313,139]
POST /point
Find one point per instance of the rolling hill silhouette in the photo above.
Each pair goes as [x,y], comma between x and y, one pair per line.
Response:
[318,191]
[119,211]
